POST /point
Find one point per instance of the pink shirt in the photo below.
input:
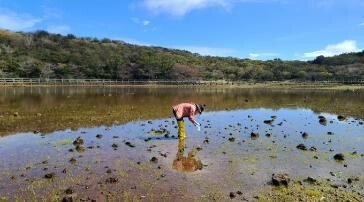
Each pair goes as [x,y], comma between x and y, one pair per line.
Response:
[186,110]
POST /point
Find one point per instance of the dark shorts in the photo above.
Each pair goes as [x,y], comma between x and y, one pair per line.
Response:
[175,115]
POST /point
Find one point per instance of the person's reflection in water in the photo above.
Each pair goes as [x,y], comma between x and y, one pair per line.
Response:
[189,163]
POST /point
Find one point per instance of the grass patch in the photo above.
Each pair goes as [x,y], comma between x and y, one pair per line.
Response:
[63,142]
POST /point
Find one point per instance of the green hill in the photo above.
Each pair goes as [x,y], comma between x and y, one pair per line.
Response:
[41,54]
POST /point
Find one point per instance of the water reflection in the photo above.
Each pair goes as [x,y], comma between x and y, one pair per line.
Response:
[47,109]
[189,163]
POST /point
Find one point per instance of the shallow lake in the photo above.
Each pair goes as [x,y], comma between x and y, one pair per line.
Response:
[130,149]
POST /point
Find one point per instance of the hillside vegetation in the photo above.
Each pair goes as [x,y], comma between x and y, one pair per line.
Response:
[41,54]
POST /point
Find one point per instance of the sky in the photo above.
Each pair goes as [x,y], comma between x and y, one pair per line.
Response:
[256,29]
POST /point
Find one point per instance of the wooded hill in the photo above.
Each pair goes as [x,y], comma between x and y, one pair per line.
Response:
[45,55]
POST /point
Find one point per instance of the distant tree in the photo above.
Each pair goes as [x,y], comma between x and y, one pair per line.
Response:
[180,71]
[105,40]
[217,74]
[361,54]
[70,36]
[41,34]
[265,75]
[302,75]
[319,60]
[62,71]
[35,72]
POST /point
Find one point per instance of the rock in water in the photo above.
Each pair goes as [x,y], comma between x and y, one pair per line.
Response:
[115,146]
[268,121]
[129,144]
[49,175]
[80,148]
[341,118]
[232,195]
[67,199]
[78,141]
[254,135]
[280,179]
[322,120]
[313,148]
[154,159]
[339,157]
[73,160]
[301,147]
[231,139]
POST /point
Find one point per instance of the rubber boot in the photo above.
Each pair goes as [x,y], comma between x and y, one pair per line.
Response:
[181,129]
[181,148]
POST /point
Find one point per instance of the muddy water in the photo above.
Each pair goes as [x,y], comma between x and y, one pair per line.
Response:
[124,128]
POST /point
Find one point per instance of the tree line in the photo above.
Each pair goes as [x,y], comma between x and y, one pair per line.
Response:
[43,55]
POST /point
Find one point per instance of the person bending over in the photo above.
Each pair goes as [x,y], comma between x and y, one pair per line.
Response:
[189,110]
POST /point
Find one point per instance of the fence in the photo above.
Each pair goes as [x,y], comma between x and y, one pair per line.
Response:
[107,82]
[89,82]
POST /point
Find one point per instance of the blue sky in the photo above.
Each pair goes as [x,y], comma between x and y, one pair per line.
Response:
[259,29]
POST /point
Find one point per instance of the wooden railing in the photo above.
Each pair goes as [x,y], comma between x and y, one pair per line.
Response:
[108,82]
[92,82]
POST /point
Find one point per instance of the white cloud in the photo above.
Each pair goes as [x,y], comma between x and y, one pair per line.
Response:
[141,22]
[181,7]
[16,21]
[254,55]
[346,46]
[146,22]
[262,55]
[207,51]
[59,29]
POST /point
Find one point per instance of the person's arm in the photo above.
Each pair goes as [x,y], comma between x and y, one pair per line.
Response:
[192,119]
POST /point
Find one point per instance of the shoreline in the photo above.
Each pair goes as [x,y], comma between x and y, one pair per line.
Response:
[263,85]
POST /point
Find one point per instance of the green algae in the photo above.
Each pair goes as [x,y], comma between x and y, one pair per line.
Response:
[63,142]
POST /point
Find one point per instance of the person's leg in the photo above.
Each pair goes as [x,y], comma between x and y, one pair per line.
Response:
[181,129]
[181,126]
